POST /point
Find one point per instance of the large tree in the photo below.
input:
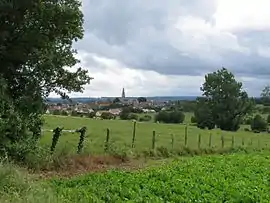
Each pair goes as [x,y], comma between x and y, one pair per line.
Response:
[226,99]
[36,57]
[265,95]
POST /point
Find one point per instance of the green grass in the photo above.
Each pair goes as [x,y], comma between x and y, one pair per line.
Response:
[228,178]
[121,135]
[17,186]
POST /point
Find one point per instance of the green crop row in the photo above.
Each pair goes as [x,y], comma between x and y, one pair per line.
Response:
[227,178]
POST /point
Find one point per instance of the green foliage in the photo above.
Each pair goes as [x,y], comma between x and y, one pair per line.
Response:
[91,114]
[268,118]
[17,186]
[56,112]
[259,124]
[226,101]
[82,132]
[56,134]
[107,115]
[116,100]
[133,116]
[265,96]
[36,55]
[203,115]
[141,99]
[170,117]
[197,179]
[145,118]
[125,113]
[193,119]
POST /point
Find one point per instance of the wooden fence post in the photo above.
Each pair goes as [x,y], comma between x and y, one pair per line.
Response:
[172,140]
[222,141]
[186,128]
[199,141]
[134,134]
[56,134]
[107,140]
[154,140]
[210,140]
[82,132]
[233,140]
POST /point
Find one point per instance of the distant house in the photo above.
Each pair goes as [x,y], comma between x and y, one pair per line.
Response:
[115,112]
[149,111]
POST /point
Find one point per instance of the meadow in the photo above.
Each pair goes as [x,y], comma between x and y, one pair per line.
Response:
[169,136]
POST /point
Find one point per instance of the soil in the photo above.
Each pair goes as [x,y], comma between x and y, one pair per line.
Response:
[81,164]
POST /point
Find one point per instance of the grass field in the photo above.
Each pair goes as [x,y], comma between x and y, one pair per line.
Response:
[215,178]
[121,135]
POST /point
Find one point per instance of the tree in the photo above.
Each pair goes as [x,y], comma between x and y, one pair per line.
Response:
[268,118]
[107,115]
[203,114]
[36,55]
[116,100]
[124,115]
[265,95]
[141,99]
[258,124]
[170,117]
[227,102]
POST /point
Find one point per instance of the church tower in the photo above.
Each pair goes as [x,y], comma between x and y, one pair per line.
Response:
[123,94]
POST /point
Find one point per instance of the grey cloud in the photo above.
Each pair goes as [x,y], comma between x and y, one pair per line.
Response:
[134,32]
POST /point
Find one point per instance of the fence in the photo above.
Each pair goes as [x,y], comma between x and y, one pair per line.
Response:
[173,141]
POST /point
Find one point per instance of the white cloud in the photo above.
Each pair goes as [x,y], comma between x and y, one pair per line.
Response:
[239,15]
[264,51]
[112,76]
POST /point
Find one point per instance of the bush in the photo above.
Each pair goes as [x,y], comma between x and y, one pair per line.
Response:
[64,113]
[56,112]
[170,117]
[145,118]
[193,119]
[107,115]
[247,121]
[259,124]
[91,115]
[132,116]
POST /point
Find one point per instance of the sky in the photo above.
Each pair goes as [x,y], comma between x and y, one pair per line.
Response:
[164,48]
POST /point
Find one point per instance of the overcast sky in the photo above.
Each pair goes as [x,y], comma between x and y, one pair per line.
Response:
[160,48]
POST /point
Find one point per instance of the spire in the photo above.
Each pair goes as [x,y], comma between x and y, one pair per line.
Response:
[123,93]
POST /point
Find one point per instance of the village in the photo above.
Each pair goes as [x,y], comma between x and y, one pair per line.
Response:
[112,106]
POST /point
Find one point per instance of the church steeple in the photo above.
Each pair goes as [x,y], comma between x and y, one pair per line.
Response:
[123,93]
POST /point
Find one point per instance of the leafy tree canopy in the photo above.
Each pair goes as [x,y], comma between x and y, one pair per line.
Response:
[226,99]
[36,58]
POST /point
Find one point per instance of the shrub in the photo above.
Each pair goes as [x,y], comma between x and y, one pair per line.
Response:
[91,115]
[145,118]
[247,121]
[56,112]
[193,119]
[170,117]
[64,113]
[107,115]
[132,116]
[259,124]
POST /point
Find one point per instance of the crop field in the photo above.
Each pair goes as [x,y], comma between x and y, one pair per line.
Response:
[167,135]
[227,178]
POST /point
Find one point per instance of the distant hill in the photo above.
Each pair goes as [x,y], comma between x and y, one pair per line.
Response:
[91,99]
